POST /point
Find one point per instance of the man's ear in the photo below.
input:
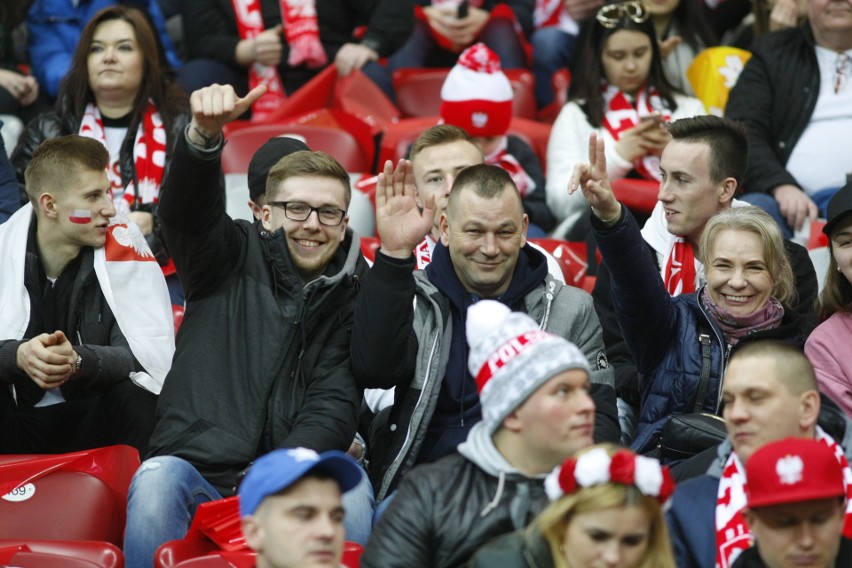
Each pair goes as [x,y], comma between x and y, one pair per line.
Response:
[809,409]
[265,214]
[729,188]
[253,532]
[512,422]
[445,230]
[47,206]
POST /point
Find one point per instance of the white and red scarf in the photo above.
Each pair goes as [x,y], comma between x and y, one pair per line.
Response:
[679,270]
[500,157]
[732,533]
[250,25]
[130,279]
[423,251]
[620,115]
[301,28]
[149,154]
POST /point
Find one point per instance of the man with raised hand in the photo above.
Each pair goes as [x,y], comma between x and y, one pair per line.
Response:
[483,254]
[263,356]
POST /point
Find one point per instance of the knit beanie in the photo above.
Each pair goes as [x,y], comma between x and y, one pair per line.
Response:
[267,156]
[476,94]
[510,358]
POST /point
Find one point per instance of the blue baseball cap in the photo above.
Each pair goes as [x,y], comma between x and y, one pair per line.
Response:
[279,469]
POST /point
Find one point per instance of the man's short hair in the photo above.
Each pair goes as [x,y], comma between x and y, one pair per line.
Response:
[438,136]
[58,158]
[727,141]
[308,164]
[792,367]
[485,181]
[278,470]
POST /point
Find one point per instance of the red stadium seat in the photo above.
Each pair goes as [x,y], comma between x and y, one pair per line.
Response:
[369,246]
[637,194]
[78,496]
[418,91]
[59,554]
[244,142]
[572,258]
[817,238]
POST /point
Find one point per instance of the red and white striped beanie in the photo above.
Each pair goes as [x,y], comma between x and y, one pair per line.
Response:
[477,95]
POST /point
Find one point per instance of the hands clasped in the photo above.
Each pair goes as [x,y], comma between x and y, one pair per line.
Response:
[48,359]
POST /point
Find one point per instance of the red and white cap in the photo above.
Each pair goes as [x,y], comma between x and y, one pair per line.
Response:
[792,471]
[477,95]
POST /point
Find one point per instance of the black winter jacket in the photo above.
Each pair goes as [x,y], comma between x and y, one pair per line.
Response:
[520,549]
[775,97]
[262,361]
[446,510]
[210,28]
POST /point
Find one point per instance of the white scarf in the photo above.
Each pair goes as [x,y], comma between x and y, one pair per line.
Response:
[130,279]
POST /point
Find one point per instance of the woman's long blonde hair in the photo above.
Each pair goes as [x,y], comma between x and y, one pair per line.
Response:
[553,521]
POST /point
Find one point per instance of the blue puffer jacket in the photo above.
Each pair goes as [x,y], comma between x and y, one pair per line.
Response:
[55,27]
[664,333]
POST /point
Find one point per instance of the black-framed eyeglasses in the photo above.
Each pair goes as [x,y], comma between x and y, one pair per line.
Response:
[609,14]
[298,211]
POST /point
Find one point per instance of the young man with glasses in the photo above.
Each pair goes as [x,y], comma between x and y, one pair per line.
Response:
[263,361]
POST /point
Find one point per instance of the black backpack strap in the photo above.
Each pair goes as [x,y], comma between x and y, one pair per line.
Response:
[704,379]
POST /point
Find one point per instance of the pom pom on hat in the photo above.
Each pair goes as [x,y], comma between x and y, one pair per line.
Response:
[477,95]
[510,358]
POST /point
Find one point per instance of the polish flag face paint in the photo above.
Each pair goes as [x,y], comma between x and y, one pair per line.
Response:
[81,216]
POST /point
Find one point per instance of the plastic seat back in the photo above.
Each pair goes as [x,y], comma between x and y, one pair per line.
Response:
[78,496]
[244,142]
[59,554]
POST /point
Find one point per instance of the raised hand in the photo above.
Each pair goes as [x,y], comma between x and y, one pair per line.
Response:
[399,222]
[214,106]
[592,179]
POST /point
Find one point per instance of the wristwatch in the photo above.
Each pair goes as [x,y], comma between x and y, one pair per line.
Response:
[78,365]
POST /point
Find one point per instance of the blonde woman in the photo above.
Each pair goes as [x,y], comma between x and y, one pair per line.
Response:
[606,510]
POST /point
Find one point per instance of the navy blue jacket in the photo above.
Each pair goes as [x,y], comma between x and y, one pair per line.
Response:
[662,332]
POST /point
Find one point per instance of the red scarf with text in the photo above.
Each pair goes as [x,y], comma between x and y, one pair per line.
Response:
[620,115]
[301,28]
[679,273]
[500,157]
[149,153]
[732,533]
[250,24]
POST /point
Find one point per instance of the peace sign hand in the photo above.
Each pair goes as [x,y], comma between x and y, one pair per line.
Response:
[592,179]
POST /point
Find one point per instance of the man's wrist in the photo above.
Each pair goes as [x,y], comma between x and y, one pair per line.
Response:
[607,217]
[202,140]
